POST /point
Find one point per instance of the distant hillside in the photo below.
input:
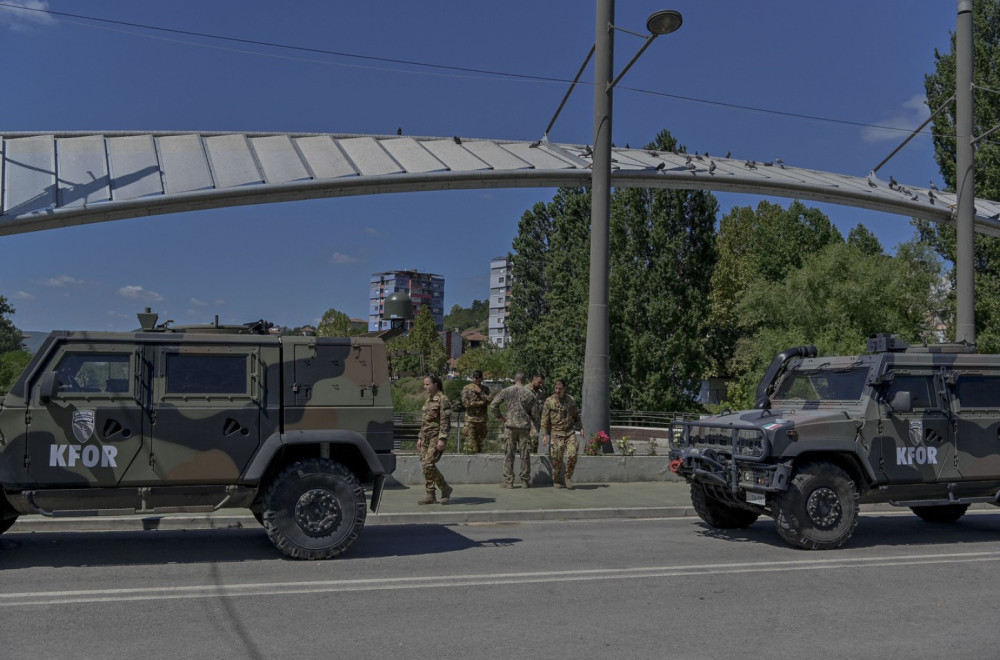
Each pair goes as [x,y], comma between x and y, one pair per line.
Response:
[469,318]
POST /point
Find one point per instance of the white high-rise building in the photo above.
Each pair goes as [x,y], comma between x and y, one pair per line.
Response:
[500,281]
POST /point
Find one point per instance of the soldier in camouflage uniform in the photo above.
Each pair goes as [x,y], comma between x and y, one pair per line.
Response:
[476,400]
[432,439]
[518,401]
[537,388]
[561,421]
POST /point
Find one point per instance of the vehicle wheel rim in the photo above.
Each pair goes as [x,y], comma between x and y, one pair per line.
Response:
[823,508]
[317,512]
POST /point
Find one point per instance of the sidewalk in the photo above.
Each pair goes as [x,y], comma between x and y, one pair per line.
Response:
[470,503]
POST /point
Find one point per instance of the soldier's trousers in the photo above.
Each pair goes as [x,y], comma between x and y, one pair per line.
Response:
[429,456]
[517,441]
[474,432]
[561,446]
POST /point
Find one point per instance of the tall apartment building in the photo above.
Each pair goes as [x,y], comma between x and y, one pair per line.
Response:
[424,289]
[500,281]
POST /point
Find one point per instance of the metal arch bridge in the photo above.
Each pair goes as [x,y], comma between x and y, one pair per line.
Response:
[52,180]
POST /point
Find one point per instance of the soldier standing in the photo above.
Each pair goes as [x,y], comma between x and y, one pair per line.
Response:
[432,439]
[561,419]
[537,388]
[518,401]
[476,399]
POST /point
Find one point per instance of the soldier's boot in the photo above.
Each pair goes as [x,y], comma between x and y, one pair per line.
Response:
[526,482]
[506,484]
[569,483]
[556,484]
[446,494]
[557,480]
[429,499]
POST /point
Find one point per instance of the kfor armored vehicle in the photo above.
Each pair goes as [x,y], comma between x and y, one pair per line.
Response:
[915,427]
[184,419]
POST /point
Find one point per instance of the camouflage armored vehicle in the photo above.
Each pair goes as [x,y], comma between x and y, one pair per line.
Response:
[914,427]
[198,419]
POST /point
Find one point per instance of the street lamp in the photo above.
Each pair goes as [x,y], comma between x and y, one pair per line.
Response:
[596,397]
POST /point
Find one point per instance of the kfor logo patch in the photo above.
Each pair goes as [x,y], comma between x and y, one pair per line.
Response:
[83,425]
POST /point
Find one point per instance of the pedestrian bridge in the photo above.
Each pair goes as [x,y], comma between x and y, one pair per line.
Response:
[52,180]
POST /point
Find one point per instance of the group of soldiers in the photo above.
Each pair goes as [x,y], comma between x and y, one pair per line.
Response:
[527,418]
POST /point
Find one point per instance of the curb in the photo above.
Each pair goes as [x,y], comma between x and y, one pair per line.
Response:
[30,525]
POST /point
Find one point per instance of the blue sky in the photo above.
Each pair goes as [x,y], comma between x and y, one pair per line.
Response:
[815,83]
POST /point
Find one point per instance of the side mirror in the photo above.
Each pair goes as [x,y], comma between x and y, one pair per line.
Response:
[901,402]
[47,386]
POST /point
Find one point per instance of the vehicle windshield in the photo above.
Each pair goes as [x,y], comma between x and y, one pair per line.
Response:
[821,385]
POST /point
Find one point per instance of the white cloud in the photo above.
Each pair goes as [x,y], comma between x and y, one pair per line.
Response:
[60,281]
[198,303]
[340,258]
[375,233]
[900,123]
[22,15]
[135,292]
[23,295]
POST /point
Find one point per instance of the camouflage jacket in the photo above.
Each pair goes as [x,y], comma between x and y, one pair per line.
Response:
[476,401]
[436,418]
[519,401]
[560,417]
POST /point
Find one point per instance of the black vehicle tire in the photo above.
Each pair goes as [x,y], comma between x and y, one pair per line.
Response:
[314,509]
[718,514]
[7,523]
[819,511]
[7,515]
[947,513]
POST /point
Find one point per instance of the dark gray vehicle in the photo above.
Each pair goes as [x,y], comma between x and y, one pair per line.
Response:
[915,427]
[166,419]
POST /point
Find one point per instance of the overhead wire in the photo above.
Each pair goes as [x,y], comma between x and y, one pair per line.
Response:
[446,70]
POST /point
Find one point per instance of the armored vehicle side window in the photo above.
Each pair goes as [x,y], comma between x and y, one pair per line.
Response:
[977,391]
[93,373]
[921,389]
[206,374]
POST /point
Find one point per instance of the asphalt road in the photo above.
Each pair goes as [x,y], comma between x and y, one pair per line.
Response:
[562,589]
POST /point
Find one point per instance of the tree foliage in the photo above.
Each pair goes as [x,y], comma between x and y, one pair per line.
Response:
[421,351]
[662,257]
[465,318]
[940,86]
[755,248]
[11,339]
[492,361]
[12,363]
[336,324]
[662,253]
[837,298]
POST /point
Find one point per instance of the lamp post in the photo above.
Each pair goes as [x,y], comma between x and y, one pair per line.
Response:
[596,398]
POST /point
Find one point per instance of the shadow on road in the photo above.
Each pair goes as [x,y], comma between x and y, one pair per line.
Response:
[881,531]
[136,548]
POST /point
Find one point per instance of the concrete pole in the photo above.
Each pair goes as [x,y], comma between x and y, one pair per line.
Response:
[965,327]
[596,400]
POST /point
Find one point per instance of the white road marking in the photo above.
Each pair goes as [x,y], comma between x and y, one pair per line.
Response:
[24,599]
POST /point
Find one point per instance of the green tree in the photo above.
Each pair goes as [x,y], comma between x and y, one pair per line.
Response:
[662,258]
[757,247]
[465,318]
[11,339]
[428,354]
[492,361]
[940,86]
[836,300]
[336,324]
[861,238]
[12,363]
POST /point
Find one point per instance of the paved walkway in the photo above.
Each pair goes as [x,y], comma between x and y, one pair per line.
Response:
[469,503]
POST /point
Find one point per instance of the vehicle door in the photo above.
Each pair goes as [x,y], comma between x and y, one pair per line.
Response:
[919,445]
[976,404]
[86,420]
[331,385]
[205,411]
